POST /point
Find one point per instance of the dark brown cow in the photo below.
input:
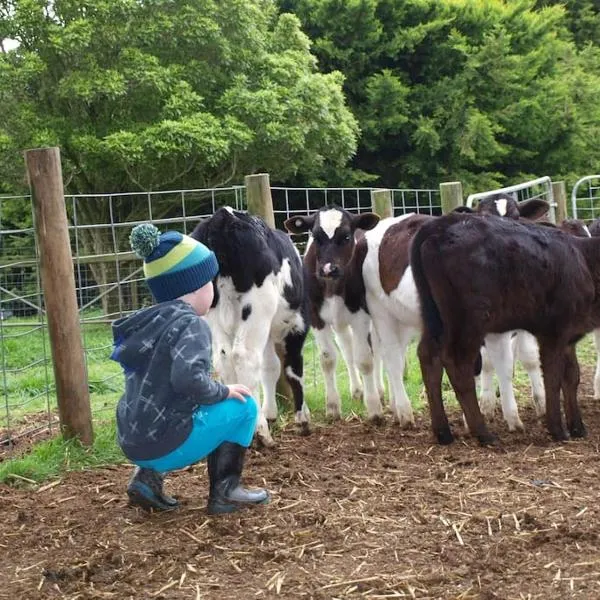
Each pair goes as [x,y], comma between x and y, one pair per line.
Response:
[475,276]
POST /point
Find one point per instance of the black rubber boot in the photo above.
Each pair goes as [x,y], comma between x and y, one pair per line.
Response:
[226,494]
[145,489]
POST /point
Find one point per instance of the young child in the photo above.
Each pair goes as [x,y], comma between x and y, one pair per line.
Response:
[172,413]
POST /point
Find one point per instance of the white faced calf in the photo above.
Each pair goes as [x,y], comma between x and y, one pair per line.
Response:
[333,275]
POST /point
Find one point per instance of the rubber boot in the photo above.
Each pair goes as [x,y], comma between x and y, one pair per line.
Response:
[226,494]
[145,489]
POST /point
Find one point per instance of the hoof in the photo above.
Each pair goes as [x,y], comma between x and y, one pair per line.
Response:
[444,436]
[265,440]
[487,439]
[578,430]
[516,426]
[304,429]
[559,435]
[377,420]
[333,415]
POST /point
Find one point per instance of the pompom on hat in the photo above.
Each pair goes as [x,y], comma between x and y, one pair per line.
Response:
[174,264]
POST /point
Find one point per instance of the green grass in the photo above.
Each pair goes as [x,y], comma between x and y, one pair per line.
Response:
[26,394]
[50,458]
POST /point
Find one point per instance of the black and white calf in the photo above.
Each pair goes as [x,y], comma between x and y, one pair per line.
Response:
[333,276]
[260,304]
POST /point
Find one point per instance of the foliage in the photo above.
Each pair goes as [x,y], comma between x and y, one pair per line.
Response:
[153,94]
[582,18]
[480,91]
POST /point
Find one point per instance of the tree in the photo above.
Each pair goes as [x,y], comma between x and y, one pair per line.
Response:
[479,91]
[151,94]
[582,19]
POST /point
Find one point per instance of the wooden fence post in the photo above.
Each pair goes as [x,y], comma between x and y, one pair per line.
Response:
[559,191]
[260,203]
[258,195]
[451,194]
[58,282]
[381,203]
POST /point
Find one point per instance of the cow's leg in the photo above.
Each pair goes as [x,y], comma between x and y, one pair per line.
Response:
[222,345]
[294,372]
[328,355]
[271,368]
[597,374]
[345,338]
[569,384]
[430,360]
[528,353]
[487,399]
[500,353]
[251,337]
[460,373]
[363,352]
[377,362]
[394,343]
[552,356]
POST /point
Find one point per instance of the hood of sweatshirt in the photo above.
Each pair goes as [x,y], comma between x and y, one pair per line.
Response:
[137,335]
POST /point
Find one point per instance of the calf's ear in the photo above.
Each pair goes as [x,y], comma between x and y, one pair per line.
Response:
[533,209]
[300,223]
[365,221]
[463,209]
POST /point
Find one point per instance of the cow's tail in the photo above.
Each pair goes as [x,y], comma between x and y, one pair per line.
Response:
[430,314]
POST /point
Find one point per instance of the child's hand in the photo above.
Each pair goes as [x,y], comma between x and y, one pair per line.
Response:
[238,391]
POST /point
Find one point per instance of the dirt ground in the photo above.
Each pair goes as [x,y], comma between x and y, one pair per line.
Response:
[357,512]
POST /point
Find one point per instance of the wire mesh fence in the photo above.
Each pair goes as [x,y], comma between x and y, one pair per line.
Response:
[289,202]
[110,283]
[585,198]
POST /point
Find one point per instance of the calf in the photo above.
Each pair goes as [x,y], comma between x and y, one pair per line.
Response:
[333,275]
[477,276]
[259,304]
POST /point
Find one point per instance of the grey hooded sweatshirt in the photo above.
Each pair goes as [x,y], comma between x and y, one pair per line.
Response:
[165,351]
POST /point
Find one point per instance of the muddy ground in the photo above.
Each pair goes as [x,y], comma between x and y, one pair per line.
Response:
[357,512]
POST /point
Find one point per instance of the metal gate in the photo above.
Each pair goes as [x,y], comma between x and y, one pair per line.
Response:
[536,188]
[585,198]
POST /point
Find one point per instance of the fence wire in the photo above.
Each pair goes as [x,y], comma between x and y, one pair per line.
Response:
[110,284]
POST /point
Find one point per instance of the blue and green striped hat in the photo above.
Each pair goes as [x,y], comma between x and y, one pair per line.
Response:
[174,264]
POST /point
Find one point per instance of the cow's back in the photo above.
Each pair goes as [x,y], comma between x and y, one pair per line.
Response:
[472,263]
[387,276]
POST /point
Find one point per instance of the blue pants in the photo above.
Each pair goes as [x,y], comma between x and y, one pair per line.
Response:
[227,421]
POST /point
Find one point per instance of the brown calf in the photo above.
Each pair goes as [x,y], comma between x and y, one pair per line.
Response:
[489,275]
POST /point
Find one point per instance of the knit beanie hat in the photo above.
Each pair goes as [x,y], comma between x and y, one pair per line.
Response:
[174,264]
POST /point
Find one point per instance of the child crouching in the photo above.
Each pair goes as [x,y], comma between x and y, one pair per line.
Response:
[173,413]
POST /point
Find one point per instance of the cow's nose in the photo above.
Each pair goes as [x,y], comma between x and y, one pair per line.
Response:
[330,270]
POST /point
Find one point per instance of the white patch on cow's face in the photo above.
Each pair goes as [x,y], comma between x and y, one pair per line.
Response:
[330,220]
[229,209]
[587,231]
[501,206]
